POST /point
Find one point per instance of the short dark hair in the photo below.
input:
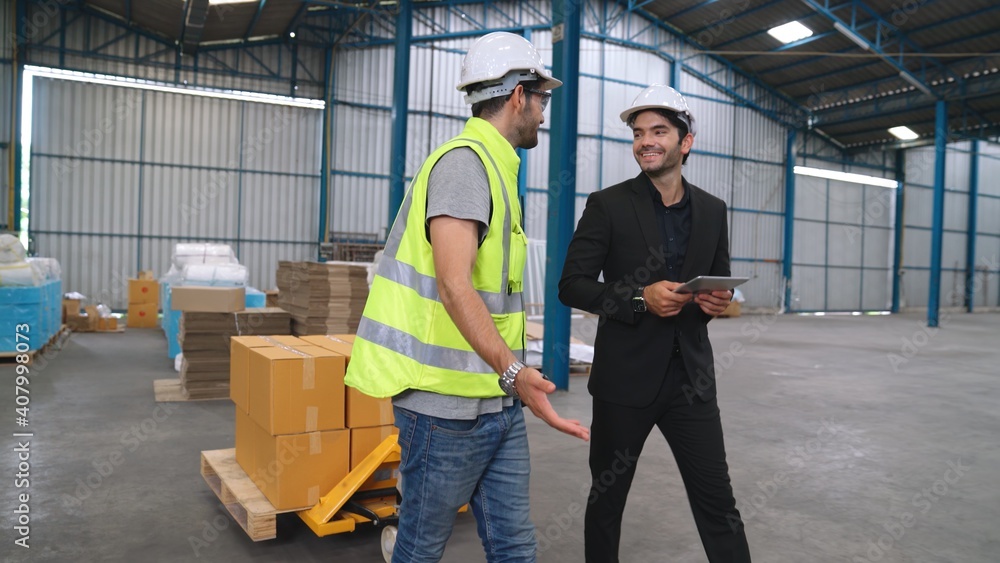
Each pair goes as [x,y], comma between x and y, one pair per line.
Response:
[488,108]
[682,128]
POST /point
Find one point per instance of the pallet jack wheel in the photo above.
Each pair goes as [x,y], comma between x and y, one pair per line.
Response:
[388,542]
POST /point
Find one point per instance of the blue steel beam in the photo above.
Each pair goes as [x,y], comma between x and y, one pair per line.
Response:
[897,246]
[970,240]
[723,20]
[327,146]
[562,187]
[400,103]
[679,14]
[905,43]
[937,224]
[984,86]
[734,71]
[253,22]
[787,251]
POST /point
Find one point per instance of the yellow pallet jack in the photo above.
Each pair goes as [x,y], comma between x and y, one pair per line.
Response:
[367,495]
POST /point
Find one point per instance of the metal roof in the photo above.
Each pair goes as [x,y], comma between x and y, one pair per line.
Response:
[916,51]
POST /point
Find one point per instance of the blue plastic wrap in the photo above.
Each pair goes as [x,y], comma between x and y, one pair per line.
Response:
[255,298]
[39,308]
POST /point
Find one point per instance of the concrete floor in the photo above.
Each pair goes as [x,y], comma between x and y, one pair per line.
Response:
[850,439]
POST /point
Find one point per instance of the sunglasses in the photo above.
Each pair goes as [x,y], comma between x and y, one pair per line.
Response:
[545,96]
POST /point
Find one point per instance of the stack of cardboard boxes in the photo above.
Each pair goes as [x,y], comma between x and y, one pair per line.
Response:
[143,301]
[294,433]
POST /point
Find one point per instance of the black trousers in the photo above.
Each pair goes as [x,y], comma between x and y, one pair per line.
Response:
[693,430]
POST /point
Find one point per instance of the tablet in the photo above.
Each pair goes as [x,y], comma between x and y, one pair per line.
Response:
[710,283]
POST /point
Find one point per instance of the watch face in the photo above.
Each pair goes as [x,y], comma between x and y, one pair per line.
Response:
[638,304]
[505,385]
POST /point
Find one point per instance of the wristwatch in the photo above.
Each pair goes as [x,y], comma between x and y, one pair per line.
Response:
[507,379]
[638,301]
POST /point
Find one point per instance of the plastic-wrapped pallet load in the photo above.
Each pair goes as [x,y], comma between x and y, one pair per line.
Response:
[26,299]
[214,274]
[11,249]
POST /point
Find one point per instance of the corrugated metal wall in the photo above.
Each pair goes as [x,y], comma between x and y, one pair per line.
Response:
[918,222]
[842,246]
[988,227]
[120,175]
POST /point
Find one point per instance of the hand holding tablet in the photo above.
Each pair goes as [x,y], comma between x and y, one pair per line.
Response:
[705,284]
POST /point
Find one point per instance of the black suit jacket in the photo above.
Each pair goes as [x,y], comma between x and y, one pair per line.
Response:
[618,234]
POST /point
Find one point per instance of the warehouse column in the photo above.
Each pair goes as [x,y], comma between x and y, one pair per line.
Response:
[562,184]
[937,225]
[899,225]
[970,246]
[400,105]
[327,146]
[786,269]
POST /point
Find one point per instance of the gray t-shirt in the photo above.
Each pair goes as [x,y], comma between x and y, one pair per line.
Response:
[457,187]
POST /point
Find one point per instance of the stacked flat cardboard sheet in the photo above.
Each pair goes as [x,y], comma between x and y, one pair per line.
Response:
[323,297]
[204,339]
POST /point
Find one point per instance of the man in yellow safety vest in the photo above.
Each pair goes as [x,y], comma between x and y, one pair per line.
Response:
[443,329]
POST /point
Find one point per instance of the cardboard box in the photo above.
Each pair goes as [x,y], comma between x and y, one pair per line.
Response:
[145,275]
[107,324]
[362,411]
[82,323]
[239,364]
[142,315]
[143,291]
[295,471]
[296,389]
[733,310]
[207,299]
[365,440]
[71,308]
[246,439]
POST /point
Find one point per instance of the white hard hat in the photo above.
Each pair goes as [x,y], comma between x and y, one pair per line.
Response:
[660,96]
[499,61]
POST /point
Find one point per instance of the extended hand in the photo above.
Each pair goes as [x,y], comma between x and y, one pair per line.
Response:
[714,303]
[662,301]
[534,392]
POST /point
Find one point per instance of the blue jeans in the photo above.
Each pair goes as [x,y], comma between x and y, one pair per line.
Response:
[447,463]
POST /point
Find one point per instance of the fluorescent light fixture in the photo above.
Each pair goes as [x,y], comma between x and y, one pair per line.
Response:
[218,2]
[789,32]
[913,80]
[846,177]
[904,133]
[109,80]
[852,35]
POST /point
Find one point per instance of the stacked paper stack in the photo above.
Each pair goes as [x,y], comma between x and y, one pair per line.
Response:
[323,298]
[204,339]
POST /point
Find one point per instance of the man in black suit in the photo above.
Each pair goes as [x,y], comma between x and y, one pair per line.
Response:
[653,363]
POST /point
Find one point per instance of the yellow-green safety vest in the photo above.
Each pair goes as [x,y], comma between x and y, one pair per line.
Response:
[406,339]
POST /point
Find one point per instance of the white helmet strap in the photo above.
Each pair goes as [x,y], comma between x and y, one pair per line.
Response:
[489,90]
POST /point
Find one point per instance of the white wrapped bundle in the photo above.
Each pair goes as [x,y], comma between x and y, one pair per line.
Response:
[214,274]
[11,250]
[202,253]
[19,274]
[47,268]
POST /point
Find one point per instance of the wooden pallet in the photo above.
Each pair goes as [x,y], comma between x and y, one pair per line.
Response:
[54,343]
[244,501]
[172,391]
